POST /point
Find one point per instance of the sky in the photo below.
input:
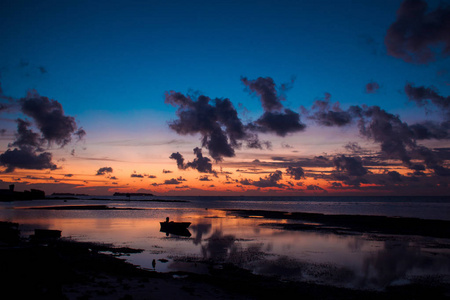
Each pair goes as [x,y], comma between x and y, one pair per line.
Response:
[285,98]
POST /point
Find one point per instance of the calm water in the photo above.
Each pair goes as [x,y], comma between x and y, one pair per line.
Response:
[359,261]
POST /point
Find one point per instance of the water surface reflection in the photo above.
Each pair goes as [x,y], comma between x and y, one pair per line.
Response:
[359,260]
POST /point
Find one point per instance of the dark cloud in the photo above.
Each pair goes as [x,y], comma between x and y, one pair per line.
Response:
[26,154]
[54,127]
[215,120]
[265,88]
[326,114]
[104,170]
[204,178]
[276,119]
[26,158]
[351,166]
[200,163]
[387,129]
[353,147]
[172,181]
[26,138]
[417,33]
[372,87]
[179,158]
[167,171]
[295,172]
[137,175]
[422,95]
[280,123]
[395,176]
[431,130]
[218,123]
[350,170]
[432,160]
[271,180]
[50,119]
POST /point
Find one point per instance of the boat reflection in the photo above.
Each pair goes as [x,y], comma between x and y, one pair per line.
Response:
[176,231]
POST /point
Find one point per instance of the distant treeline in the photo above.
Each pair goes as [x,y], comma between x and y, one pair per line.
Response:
[132,194]
[68,194]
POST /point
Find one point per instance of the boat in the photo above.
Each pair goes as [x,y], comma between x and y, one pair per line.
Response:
[175,225]
[177,228]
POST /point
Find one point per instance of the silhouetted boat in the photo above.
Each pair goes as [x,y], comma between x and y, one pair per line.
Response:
[178,228]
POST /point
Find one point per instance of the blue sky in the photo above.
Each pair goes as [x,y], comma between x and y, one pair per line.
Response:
[110,63]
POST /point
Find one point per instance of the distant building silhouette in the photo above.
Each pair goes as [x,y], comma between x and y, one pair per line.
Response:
[11,195]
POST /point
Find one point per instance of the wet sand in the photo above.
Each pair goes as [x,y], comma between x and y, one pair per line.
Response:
[65,269]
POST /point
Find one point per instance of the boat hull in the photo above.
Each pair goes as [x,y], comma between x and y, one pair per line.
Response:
[177,228]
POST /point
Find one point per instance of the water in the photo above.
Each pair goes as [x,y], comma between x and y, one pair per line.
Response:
[366,261]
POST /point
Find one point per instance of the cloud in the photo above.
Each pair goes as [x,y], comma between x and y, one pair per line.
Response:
[136,176]
[54,127]
[416,33]
[200,163]
[26,158]
[215,120]
[50,119]
[395,176]
[295,172]
[431,130]
[422,96]
[271,180]
[172,181]
[351,166]
[372,87]
[280,123]
[276,118]
[167,171]
[179,158]
[218,123]
[265,88]
[104,170]
[26,138]
[326,114]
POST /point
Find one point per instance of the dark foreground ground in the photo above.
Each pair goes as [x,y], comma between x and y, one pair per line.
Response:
[65,269]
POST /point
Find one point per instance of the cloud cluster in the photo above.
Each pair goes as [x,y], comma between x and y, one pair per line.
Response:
[295,172]
[216,120]
[350,170]
[54,128]
[276,119]
[104,170]
[397,139]
[26,159]
[200,163]
[50,119]
[324,113]
[271,180]
[416,33]
[424,96]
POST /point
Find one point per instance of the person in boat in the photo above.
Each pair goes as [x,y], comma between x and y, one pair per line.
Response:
[167,220]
